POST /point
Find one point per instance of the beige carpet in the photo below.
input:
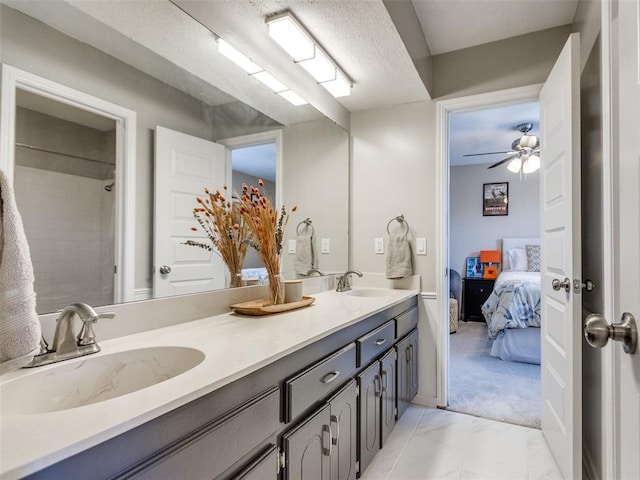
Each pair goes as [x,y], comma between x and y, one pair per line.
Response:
[488,387]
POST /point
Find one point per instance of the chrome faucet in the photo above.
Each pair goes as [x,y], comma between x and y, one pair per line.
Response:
[343,281]
[315,270]
[65,343]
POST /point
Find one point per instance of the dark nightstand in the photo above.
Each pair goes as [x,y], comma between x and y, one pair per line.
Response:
[474,293]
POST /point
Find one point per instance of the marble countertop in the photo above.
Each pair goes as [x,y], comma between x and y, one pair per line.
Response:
[233,346]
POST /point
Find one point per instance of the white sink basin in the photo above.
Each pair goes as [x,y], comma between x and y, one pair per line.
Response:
[93,379]
[368,292]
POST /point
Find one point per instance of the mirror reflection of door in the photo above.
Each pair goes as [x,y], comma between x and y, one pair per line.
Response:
[249,164]
[65,188]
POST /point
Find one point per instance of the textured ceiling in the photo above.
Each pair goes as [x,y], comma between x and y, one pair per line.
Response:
[488,130]
[450,25]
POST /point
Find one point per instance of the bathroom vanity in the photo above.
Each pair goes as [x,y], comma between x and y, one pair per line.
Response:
[307,394]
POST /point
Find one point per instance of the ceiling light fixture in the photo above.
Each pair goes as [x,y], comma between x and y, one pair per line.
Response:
[259,73]
[294,39]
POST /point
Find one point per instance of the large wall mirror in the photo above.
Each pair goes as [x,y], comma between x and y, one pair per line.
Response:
[84,171]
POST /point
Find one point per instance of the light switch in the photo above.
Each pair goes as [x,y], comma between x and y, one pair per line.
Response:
[379,245]
[292,246]
[421,246]
[326,246]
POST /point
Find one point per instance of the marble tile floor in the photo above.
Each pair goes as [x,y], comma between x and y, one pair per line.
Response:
[432,444]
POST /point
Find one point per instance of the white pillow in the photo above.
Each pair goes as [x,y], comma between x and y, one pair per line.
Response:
[517,259]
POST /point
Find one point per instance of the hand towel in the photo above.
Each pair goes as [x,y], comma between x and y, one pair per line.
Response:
[304,254]
[19,324]
[399,257]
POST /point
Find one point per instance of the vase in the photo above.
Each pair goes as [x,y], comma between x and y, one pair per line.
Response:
[276,289]
[234,279]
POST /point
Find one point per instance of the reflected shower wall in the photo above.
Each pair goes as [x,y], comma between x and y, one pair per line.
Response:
[62,169]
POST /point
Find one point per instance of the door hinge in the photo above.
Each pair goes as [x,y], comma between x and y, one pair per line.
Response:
[282,461]
[395,411]
[357,390]
[395,354]
[357,466]
[115,269]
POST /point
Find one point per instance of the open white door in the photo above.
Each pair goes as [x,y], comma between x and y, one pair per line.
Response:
[561,262]
[626,143]
[184,165]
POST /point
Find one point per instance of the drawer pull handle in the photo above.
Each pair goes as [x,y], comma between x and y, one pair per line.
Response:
[326,429]
[330,377]
[381,341]
[334,419]
[377,386]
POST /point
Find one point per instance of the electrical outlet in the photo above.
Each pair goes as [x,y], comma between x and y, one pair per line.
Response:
[326,246]
[379,245]
[421,246]
[292,246]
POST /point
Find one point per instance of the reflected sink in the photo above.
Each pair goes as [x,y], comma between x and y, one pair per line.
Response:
[368,292]
[94,379]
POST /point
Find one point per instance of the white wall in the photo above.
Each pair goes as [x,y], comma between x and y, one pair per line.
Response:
[316,180]
[393,168]
[469,230]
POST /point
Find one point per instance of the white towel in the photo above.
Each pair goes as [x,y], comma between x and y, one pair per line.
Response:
[399,257]
[19,323]
[304,254]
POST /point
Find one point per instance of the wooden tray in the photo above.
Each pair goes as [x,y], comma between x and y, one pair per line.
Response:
[260,307]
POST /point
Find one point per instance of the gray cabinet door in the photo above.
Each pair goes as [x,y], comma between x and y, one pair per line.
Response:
[370,391]
[407,371]
[308,448]
[388,405]
[344,428]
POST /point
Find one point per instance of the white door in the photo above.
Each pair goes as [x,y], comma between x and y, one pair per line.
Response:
[184,165]
[561,249]
[627,218]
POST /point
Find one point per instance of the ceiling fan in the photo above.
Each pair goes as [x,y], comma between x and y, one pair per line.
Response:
[524,154]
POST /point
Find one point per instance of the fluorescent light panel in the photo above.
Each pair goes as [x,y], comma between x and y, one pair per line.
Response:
[259,73]
[293,98]
[238,58]
[293,38]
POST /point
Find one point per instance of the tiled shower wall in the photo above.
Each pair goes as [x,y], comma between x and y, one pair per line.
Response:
[69,222]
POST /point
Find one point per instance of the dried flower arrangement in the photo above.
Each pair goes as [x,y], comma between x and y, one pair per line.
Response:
[221,221]
[267,229]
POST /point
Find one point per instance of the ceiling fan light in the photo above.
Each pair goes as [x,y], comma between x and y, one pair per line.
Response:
[514,165]
[528,141]
[532,164]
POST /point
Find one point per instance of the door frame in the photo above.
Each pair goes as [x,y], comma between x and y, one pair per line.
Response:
[250,140]
[444,108]
[12,79]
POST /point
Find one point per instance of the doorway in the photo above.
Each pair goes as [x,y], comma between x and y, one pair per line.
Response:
[494,211]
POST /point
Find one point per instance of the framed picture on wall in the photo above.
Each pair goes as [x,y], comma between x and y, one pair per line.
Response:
[474,268]
[495,199]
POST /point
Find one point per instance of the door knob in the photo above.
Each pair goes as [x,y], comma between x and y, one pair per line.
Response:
[557,284]
[598,332]
[165,269]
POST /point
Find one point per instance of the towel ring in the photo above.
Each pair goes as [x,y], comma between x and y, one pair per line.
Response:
[307,223]
[399,219]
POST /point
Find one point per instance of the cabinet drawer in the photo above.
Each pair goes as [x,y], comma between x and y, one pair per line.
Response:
[209,451]
[376,342]
[406,322]
[319,380]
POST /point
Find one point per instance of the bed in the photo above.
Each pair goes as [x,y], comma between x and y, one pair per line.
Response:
[512,311]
